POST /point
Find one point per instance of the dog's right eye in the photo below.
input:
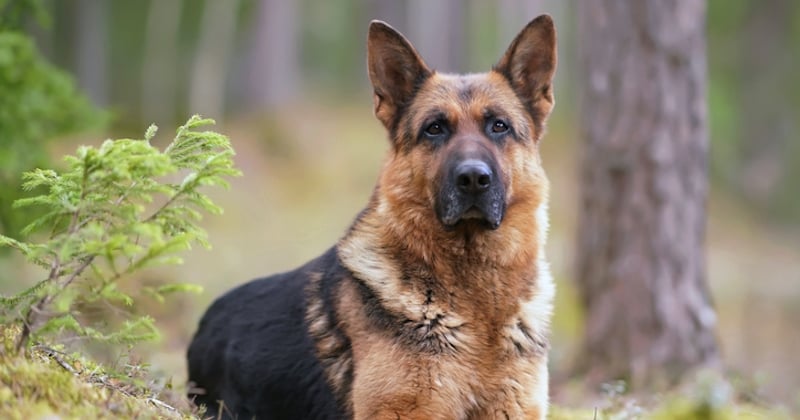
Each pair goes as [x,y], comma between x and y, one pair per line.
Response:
[434,129]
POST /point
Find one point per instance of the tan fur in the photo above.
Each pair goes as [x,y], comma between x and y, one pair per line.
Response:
[487,294]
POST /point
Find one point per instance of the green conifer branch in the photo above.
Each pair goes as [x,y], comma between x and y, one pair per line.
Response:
[104,223]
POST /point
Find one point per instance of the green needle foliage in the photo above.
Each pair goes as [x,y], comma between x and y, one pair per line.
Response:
[116,209]
[38,103]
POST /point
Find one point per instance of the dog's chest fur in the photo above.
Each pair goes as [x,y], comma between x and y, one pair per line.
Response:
[461,332]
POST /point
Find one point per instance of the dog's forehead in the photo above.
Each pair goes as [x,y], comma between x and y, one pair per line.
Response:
[468,96]
[468,89]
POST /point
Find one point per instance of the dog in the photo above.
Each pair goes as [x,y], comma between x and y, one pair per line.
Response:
[436,302]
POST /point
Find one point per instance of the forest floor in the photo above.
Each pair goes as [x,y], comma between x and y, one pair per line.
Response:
[49,384]
[303,184]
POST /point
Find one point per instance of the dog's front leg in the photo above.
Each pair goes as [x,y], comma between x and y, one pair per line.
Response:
[390,383]
[402,391]
[524,395]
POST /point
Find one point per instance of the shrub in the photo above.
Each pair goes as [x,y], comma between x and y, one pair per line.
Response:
[112,212]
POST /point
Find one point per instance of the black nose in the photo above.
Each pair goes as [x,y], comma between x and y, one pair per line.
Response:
[473,176]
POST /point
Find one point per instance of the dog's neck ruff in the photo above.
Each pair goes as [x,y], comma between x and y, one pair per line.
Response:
[376,256]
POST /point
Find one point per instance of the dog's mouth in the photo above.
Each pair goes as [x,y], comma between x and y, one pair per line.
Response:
[473,213]
[487,214]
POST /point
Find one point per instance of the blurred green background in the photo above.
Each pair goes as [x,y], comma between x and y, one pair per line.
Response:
[286,80]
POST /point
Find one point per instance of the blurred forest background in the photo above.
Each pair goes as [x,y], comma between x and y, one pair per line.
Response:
[286,80]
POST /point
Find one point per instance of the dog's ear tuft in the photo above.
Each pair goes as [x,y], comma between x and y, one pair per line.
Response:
[395,70]
[529,65]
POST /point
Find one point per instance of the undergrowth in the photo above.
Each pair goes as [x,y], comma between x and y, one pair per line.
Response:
[113,211]
[51,383]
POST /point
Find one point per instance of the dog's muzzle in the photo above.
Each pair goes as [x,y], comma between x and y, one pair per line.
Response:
[471,191]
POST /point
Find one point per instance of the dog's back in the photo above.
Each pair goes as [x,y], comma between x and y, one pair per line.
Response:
[253,353]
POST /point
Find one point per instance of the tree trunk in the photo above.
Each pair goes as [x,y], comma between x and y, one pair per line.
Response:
[771,123]
[273,67]
[212,56]
[160,62]
[436,28]
[91,52]
[641,261]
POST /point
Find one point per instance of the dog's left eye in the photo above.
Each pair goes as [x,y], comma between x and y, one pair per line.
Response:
[434,129]
[499,126]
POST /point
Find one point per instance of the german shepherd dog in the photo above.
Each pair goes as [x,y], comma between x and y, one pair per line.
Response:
[436,302]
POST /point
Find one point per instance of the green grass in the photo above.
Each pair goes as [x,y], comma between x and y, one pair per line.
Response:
[49,383]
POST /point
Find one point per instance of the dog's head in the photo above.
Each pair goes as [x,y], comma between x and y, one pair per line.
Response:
[464,146]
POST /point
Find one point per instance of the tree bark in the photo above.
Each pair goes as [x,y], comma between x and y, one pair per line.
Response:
[91,52]
[436,28]
[160,62]
[771,124]
[273,67]
[641,261]
[212,56]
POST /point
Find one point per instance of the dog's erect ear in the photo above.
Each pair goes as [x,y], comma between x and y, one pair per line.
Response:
[529,65]
[395,70]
